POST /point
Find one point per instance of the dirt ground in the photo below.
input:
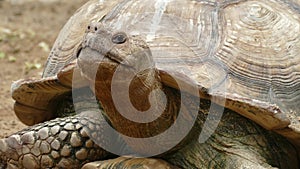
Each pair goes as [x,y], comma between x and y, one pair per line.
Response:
[28,29]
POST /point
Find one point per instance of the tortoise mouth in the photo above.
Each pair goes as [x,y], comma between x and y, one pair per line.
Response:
[91,62]
[106,56]
[96,56]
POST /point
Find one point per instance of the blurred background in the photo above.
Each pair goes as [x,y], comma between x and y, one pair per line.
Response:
[28,28]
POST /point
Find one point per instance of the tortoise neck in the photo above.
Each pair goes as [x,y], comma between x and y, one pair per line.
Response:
[144,86]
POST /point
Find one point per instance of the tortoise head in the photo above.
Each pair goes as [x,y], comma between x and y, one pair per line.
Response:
[118,64]
[104,51]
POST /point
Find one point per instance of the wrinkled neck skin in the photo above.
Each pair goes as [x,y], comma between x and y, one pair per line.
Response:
[139,90]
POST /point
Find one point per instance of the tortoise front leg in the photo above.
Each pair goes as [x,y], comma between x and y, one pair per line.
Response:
[59,143]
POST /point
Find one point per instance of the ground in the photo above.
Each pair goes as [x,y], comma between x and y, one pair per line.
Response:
[28,28]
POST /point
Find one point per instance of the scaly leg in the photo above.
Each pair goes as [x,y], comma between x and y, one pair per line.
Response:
[60,143]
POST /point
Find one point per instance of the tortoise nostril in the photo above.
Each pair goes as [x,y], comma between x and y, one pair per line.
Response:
[96,28]
[89,27]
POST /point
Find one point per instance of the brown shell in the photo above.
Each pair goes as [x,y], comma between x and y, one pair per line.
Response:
[245,51]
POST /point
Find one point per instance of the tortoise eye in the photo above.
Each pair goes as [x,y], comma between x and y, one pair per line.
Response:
[119,38]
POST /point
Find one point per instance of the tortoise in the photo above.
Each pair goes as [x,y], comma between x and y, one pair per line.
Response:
[186,59]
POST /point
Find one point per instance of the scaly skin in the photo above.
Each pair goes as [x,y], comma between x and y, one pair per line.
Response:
[60,143]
